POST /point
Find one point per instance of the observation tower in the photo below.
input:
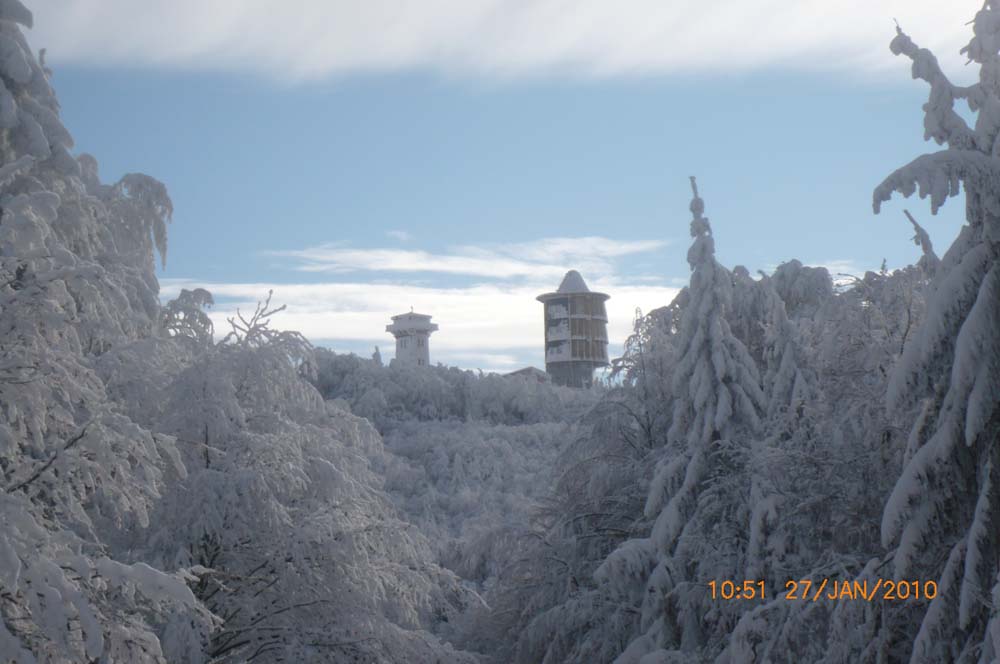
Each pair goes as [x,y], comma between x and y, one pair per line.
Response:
[413,333]
[576,332]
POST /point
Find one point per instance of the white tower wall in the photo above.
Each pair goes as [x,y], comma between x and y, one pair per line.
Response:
[413,333]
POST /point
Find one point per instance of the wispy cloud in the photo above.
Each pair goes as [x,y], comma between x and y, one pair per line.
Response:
[337,260]
[547,258]
[318,38]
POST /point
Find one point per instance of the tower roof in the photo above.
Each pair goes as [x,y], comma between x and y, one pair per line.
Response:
[411,323]
[572,284]
[411,315]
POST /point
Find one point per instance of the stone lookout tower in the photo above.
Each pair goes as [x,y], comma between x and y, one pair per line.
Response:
[412,332]
[576,332]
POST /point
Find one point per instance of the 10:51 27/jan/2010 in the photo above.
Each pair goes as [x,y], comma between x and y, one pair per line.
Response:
[829,589]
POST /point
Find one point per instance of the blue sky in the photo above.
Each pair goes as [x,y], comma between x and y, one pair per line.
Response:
[463,183]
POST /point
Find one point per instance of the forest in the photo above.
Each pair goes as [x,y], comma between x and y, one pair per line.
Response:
[170,492]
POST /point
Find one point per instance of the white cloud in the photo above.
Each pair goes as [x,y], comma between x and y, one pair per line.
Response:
[547,258]
[495,327]
[338,259]
[297,39]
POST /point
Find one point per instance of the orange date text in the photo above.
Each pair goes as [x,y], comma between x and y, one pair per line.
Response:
[814,590]
[868,590]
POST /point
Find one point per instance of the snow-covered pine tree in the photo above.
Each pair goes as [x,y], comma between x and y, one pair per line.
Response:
[809,519]
[698,493]
[943,516]
[788,380]
[790,385]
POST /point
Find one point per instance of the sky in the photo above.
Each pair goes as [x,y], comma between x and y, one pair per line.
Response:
[458,156]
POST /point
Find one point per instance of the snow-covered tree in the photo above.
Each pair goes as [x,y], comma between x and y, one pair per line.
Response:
[302,556]
[76,473]
[397,394]
[185,316]
[942,516]
[696,494]
[546,604]
[165,497]
[826,465]
[802,288]
[646,372]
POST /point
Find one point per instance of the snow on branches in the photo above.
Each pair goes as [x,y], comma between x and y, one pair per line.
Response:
[944,505]
[164,497]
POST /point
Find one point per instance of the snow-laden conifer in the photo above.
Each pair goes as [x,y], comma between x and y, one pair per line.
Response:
[697,493]
[715,381]
[944,505]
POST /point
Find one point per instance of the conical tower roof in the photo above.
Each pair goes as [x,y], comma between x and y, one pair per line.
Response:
[573,283]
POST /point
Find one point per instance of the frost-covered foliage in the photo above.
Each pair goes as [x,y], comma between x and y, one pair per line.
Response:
[528,511]
[620,565]
[469,454]
[545,605]
[389,395]
[803,289]
[942,519]
[472,487]
[825,466]
[697,498]
[185,316]
[303,556]
[469,461]
[784,408]
[76,473]
[163,497]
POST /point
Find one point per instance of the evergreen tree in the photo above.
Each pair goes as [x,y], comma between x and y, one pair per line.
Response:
[942,518]
[699,494]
